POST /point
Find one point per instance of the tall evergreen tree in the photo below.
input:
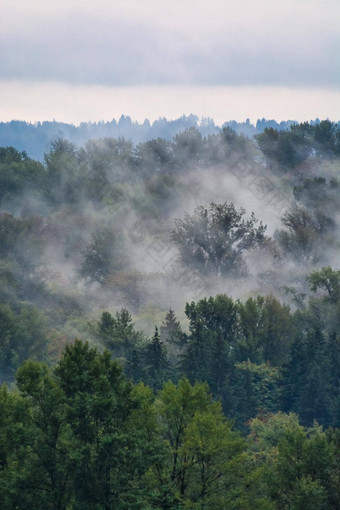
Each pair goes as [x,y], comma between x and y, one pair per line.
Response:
[211,345]
[157,365]
[171,330]
[108,452]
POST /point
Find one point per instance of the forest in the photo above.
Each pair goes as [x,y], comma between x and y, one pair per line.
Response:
[35,138]
[169,322]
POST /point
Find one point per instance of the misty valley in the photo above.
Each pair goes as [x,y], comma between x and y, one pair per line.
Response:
[170,319]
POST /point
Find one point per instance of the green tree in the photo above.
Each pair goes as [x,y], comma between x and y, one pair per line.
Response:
[154,156]
[266,331]
[13,423]
[120,337]
[20,174]
[305,234]
[105,163]
[326,138]
[318,193]
[307,387]
[37,469]
[301,474]
[257,389]
[205,464]
[187,148]
[214,240]
[327,279]
[175,339]
[156,367]
[209,355]
[171,331]
[285,149]
[21,240]
[299,464]
[109,455]
[23,335]
[80,437]
[64,172]
[103,255]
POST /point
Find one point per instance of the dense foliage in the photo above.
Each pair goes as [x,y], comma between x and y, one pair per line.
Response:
[83,436]
[210,372]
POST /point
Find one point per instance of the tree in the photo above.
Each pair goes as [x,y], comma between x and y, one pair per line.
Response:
[294,145]
[305,234]
[307,385]
[187,148]
[103,255]
[266,431]
[318,193]
[171,333]
[154,156]
[257,389]
[298,463]
[21,240]
[300,478]
[327,138]
[37,467]
[109,453]
[120,337]
[285,149]
[23,335]
[209,355]
[327,279]
[64,172]
[19,174]
[214,240]
[116,329]
[205,465]
[13,422]
[156,361]
[76,437]
[265,331]
[105,162]
[171,330]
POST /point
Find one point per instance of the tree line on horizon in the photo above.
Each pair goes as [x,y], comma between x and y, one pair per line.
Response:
[36,137]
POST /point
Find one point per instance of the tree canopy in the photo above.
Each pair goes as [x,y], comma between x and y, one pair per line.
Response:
[214,240]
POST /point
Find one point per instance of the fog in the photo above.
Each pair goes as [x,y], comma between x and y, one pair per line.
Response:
[105,224]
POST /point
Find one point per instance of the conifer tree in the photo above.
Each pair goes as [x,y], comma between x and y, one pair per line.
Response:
[156,362]
[171,330]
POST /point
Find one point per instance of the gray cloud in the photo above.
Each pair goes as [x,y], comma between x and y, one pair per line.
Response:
[79,48]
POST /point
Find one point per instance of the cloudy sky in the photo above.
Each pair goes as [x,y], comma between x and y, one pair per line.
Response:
[80,60]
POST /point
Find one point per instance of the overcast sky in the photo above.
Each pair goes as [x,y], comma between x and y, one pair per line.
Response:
[80,60]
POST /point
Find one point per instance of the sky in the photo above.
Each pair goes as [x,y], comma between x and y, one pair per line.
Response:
[79,60]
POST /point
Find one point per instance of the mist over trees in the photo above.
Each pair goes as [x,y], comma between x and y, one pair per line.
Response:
[201,271]
[214,239]
[37,137]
